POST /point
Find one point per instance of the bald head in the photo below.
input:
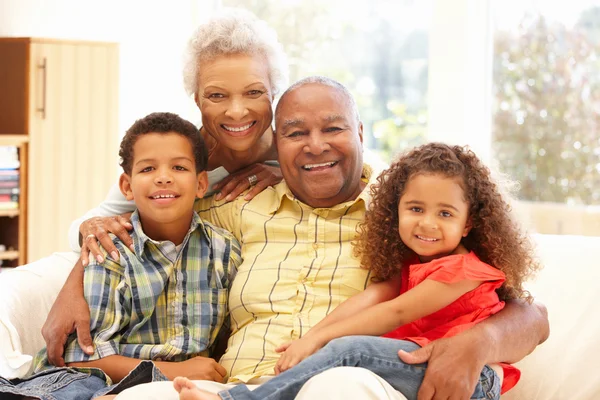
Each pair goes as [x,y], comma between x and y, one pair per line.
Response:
[319,142]
[320,80]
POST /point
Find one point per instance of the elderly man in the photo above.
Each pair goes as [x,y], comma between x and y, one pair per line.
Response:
[298,264]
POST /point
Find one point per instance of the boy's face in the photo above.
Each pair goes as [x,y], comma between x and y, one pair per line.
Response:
[163,181]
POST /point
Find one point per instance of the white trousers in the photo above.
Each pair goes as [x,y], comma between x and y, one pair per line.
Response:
[340,383]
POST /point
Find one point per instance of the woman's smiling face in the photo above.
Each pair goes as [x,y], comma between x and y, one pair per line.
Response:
[235,98]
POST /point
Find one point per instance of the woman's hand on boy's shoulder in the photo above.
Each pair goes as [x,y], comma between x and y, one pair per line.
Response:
[94,234]
[256,177]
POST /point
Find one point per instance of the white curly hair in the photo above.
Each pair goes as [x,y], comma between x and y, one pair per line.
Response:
[234,31]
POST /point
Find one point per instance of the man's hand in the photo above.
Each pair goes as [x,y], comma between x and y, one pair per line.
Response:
[294,352]
[454,366]
[197,368]
[94,233]
[69,313]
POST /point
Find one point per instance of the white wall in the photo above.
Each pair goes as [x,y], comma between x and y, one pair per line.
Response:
[460,74]
[152,35]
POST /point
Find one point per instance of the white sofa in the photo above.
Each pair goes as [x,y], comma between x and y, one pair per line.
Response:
[567,366]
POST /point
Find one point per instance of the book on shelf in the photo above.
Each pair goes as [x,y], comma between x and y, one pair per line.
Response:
[9,197]
[9,158]
[9,205]
[10,190]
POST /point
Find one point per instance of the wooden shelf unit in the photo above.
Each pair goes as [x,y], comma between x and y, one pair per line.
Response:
[59,107]
[9,255]
[13,222]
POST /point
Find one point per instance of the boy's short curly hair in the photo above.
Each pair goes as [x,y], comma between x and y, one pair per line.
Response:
[495,237]
[163,122]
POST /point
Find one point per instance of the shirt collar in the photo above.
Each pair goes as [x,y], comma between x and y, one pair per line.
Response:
[140,238]
[283,192]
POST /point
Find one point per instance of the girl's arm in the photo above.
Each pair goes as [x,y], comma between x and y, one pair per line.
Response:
[424,299]
[375,293]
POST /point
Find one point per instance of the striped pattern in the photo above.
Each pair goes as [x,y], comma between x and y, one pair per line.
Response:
[298,266]
[166,304]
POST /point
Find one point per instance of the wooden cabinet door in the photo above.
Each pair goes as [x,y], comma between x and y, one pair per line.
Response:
[73,137]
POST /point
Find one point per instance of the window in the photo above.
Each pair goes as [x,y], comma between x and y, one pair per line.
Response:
[546,110]
[378,49]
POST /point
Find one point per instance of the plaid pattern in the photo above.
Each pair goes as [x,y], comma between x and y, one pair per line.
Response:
[165,304]
[298,266]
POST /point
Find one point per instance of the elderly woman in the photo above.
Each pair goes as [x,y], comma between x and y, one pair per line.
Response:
[234,67]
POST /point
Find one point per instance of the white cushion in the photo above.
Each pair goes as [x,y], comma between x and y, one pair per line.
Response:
[566,366]
[26,295]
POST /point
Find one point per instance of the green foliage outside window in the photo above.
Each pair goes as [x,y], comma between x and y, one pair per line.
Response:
[547,108]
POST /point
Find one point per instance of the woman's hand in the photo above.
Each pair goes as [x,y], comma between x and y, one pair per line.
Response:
[294,352]
[260,176]
[94,233]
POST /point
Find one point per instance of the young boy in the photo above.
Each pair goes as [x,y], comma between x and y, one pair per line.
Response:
[164,301]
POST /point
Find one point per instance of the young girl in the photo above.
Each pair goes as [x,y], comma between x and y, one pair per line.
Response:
[444,252]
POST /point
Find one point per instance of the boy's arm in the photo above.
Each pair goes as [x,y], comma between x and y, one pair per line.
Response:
[117,367]
[454,363]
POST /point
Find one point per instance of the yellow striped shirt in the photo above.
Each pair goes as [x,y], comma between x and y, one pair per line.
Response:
[298,266]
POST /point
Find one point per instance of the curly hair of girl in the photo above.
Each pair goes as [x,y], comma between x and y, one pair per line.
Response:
[495,237]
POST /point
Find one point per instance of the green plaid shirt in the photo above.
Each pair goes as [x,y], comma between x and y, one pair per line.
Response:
[161,303]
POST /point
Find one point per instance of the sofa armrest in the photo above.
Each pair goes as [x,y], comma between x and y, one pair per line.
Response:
[26,296]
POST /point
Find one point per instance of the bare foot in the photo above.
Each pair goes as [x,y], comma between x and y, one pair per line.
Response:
[188,391]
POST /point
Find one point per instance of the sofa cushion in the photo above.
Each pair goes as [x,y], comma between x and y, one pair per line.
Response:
[566,365]
[27,294]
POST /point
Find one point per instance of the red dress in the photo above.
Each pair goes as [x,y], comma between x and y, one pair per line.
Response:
[466,311]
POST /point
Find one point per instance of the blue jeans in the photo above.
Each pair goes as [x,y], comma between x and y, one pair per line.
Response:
[70,384]
[378,355]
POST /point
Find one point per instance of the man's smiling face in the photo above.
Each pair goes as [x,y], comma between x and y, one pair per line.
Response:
[319,141]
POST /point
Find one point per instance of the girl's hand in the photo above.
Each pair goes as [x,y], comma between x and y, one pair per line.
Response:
[233,185]
[94,233]
[294,352]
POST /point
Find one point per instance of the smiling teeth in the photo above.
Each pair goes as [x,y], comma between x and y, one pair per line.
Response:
[311,166]
[164,196]
[241,128]
[427,239]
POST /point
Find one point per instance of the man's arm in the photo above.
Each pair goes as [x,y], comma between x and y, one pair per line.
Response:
[456,362]
[69,312]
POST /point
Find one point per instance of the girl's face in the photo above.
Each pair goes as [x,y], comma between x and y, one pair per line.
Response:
[433,216]
[234,97]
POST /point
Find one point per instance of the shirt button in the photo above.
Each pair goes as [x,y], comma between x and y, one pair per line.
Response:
[315,246]
[158,359]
